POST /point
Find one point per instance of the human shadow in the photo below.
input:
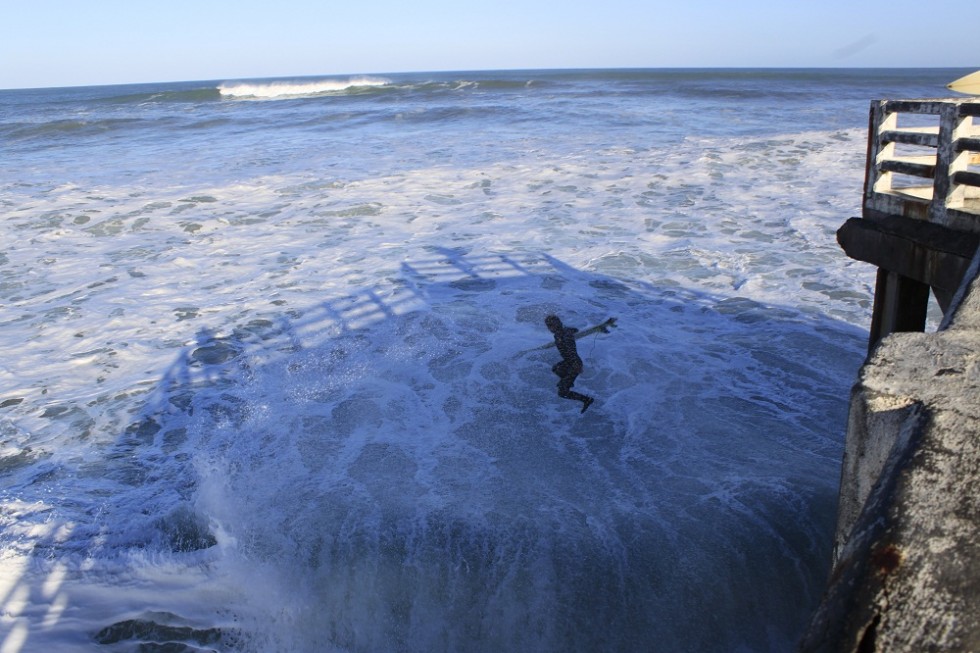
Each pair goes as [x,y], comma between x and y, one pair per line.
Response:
[392,473]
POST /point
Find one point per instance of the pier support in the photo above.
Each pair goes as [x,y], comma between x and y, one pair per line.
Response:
[900,304]
[913,257]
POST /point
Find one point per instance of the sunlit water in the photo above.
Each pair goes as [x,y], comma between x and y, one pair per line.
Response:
[266,387]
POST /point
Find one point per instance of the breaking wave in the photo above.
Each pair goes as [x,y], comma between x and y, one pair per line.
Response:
[280,90]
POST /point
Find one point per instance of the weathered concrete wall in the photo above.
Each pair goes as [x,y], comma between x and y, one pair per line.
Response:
[907,552]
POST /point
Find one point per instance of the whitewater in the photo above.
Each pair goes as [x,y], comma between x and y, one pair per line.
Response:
[266,387]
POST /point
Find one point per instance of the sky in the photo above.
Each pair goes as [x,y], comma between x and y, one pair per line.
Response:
[74,43]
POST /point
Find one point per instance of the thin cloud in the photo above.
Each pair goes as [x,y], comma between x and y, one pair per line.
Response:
[856,47]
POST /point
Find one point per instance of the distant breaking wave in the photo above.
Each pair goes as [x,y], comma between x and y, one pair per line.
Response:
[278,90]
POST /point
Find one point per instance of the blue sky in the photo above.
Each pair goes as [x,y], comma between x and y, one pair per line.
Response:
[70,42]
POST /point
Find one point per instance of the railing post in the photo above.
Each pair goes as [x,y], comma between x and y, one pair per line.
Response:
[960,161]
[945,155]
[877,181]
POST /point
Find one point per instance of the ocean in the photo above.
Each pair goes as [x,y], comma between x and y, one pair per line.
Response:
[266,383]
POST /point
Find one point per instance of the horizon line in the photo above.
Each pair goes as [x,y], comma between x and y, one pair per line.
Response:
[487,70]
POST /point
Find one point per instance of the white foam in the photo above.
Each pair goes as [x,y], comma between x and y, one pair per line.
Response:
[331,365]
[285,90]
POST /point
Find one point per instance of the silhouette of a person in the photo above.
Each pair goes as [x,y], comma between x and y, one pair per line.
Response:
[570,365]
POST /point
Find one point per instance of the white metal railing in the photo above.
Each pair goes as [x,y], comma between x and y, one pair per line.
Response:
[924,161]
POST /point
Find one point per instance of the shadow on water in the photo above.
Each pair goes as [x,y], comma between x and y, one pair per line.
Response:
[386,471]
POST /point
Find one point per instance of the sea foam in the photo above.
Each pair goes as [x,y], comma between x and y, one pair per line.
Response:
[284,90]
[265,382]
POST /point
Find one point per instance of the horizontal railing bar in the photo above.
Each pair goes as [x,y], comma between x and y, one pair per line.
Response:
[964,178]
[908,168]
[968,144]
[906,106]
[930,107]
[926,139]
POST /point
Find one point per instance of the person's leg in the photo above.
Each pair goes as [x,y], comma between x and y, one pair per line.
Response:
[565,388]
[565,385]
[566,382]
[577,396]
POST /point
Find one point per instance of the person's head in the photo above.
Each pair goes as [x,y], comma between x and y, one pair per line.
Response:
[553,323]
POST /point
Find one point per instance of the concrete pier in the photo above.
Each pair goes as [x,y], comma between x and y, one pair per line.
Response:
[906,569]
[906,573]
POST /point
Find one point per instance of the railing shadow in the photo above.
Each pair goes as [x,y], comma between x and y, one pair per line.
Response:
[461,320]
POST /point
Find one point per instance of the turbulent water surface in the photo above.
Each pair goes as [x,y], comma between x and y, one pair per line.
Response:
[266,388]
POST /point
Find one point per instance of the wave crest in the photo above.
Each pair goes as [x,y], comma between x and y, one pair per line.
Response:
[277,90]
